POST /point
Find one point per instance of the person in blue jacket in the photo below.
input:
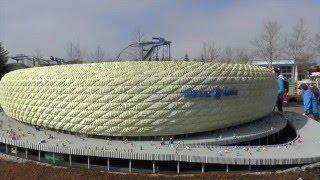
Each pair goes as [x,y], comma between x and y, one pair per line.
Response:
[280,84]
[310,102]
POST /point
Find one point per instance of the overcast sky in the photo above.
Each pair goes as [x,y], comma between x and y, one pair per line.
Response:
[49,25]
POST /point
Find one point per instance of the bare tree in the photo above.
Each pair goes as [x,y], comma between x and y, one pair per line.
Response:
[268,44]
[136,53]
[69,50]
[3,55]
[108,57]
[186,57]
[242,56]
[138,35]
[236,55]
[316,44]
[37,56]
[78,52]
[298,44]
[210,52]
[228,55]
[75,52]
[99,55]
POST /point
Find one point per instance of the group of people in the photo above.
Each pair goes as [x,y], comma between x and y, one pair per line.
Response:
[310,95]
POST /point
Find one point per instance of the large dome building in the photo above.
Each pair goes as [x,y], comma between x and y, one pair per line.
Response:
[139,98]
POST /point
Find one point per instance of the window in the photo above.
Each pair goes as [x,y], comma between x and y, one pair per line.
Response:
[286,69]
[288,76]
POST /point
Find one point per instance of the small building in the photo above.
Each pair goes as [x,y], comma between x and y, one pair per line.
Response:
[289,68]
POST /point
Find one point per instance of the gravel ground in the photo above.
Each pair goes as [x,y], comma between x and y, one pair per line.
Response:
[12,170]
[298,108]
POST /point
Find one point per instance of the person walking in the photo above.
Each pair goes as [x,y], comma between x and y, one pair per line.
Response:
[314,89]
[286,90]
[310,103]
[280,84]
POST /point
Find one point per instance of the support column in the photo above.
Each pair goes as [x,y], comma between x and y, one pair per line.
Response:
[54,161]
[129,165]
[227,167]
[7,148]
[249,167]
[26,153]
[88,162]
[296,73]
[178,167]
[108,164]
[70,160]
[274,138]
[16,148]
[202,167]
[39,155]
[153,166]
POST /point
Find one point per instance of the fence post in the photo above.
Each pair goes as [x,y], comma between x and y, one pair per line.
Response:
[108,164]
[178,167]
[70,160]
[202,167]
[88,162]
[153,166]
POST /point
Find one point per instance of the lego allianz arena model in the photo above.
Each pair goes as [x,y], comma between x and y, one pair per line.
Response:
[139,98]
[217,114]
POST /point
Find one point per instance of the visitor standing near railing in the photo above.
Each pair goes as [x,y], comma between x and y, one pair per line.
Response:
[280,85]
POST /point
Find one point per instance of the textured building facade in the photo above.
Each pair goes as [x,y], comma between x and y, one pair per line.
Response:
[139,98]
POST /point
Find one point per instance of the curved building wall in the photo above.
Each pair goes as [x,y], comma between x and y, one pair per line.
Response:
[139,98]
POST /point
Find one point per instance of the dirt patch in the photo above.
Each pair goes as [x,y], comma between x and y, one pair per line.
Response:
[30,170]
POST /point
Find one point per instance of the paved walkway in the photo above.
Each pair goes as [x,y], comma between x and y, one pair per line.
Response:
[15,130]
[296,107]
[305,149]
